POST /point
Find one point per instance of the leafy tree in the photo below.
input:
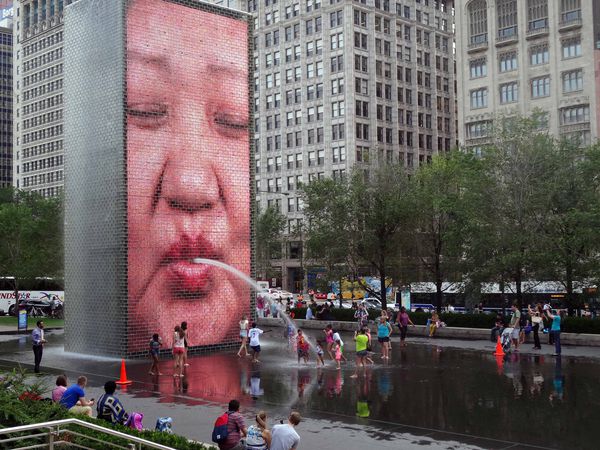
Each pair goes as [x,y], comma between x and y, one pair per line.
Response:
[439,212]
[359,219]
[327,211]
[512,203]
[571,245]
[269,232]
[31,236]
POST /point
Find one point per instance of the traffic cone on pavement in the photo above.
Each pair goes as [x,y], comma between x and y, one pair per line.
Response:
[123,380]
[499,350]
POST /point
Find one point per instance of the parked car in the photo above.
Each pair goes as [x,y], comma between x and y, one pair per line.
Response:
[320,296]
[371,303]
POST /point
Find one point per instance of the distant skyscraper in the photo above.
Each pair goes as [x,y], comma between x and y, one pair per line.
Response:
[514,56]
[38,90]
[6,93]
[346,84]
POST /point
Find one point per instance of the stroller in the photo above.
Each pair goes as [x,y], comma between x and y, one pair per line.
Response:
[505,339]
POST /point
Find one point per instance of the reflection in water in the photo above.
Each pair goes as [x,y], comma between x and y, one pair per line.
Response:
[450,390]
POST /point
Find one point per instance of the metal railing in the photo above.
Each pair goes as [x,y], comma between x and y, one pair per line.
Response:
[56,434]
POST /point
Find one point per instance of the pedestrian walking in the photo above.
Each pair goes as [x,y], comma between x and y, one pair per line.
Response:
[38,341]
[254,335]
[178,350]
[362,317]
[555,329]
[536,323]
[515,324]
[155,344]
[284,436]
[336,338]
[384,331]
[329,340]
[184,327]
[337,350]
[244,337]
[403,321]
[361,350]
[320,353]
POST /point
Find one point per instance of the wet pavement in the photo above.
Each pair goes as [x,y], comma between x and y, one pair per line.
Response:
[431,394]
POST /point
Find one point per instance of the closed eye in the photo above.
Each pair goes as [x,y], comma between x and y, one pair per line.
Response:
[231,125]
[148,115]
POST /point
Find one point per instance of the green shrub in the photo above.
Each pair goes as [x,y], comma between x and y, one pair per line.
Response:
[14,412]
[486,321]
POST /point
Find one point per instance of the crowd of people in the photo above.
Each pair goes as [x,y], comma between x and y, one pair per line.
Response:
[538,319]
[258,436]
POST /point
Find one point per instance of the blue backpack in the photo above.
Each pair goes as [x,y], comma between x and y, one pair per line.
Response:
[220,433]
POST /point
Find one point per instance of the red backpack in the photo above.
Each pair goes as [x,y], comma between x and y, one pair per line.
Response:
[220,433]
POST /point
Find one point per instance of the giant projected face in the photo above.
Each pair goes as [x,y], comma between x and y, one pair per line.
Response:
[187,170]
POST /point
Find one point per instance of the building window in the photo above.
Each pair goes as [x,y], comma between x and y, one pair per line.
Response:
[571,48]
[540,87]
[572,81]
[570,11]
[477,11]
[478,68]
[507,18]
[539,55]
[477,129]
[537,14]
[508,62]
[509,92]
[575,114]
[479,98]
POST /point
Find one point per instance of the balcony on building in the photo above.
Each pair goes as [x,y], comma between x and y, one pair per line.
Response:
[478,42]
[506,36]
[570,20]
[538,28]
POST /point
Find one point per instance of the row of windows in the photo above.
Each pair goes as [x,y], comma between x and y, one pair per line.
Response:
[41,164]
[42,149]
[43,43]
[42,75]
[567,116]
[538,55]
[43,119]
[506,13]
[43,178]
[36,12]
[42,90]
[6,39]
[56,130]
[39,61]
[41,105]
[572,81]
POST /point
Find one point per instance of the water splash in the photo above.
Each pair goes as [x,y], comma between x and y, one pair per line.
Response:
[253,284]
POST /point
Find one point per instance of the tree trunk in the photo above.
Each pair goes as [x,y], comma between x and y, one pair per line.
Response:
[518,283]
[16,291]
[341,293]
[569,285]
[382,277]
[438,284]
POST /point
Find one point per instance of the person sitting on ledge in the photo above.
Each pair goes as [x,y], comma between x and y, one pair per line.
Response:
[74,398]
[110,407]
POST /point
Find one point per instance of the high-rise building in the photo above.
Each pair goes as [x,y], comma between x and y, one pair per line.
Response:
[6,93]
[516,56]
[38,93]
[343,84]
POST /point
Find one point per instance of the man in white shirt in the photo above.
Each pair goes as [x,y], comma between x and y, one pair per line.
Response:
[284,436]
[254,334]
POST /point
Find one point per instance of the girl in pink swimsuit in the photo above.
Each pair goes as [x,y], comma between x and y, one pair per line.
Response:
[329,340]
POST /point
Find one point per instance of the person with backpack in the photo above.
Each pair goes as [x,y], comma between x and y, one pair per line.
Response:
[230,428]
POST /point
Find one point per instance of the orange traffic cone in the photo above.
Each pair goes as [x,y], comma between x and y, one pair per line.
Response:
[499,350]
[123,380]
[500,364]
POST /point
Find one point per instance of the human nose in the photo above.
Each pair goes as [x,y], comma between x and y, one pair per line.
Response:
[189,183]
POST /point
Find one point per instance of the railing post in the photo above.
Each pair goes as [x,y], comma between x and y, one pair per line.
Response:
[50,439]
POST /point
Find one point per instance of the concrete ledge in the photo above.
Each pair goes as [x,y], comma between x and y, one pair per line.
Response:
[475,334]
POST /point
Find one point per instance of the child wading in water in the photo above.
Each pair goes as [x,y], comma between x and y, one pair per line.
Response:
[337,346]
[320,352]
[302,347]
[329,340]
[155,344]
